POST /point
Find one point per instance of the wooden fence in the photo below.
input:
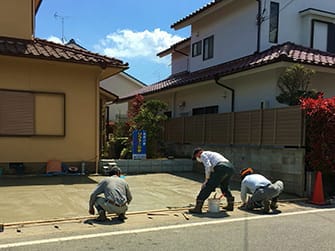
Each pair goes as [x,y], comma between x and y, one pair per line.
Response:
[267,127]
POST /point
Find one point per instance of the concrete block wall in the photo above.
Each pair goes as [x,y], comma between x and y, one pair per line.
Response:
[286,164]
[152,165]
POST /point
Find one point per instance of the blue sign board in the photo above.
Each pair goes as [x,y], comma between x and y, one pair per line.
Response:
[139,144]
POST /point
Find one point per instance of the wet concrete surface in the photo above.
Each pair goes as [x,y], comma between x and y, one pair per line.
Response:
[29,199]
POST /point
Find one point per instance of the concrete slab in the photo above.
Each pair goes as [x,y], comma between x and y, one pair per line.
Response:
[46,198]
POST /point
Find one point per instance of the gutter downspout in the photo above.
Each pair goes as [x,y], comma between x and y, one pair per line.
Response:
[259,22]
[230,89]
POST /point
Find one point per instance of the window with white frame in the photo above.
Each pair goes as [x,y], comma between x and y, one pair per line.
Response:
[274,22]
[208,51]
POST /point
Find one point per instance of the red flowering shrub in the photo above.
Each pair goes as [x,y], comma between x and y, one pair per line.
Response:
[135,106]
[320,133]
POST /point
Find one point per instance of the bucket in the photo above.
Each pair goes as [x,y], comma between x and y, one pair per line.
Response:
[214,205]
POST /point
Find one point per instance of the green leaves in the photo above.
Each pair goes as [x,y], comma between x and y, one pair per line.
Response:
[294,84]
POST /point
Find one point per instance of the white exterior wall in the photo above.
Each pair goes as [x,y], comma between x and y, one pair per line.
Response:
[235,30]
[179,63]
[235,34]
[324,82]
[251,88]
[293,26]
[120,84]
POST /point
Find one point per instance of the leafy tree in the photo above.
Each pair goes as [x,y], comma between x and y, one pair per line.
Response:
[150,118]
[294,84]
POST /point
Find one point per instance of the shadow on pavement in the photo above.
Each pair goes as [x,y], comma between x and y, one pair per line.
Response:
[112,221]
[221,214]
[259,211]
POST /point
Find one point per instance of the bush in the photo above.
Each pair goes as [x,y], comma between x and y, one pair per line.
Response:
[320,133]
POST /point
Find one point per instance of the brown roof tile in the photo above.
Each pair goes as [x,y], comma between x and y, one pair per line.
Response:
[42,49]
[288,52]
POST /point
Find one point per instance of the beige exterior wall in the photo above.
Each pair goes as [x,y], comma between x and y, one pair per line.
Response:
[80,85]
[16,18]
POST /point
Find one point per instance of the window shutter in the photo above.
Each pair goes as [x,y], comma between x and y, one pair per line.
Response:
[16,113]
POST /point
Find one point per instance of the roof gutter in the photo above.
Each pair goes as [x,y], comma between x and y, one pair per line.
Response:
[228,88]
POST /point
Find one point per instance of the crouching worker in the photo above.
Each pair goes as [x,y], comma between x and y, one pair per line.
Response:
[218,172]
[264,193]
[116,196]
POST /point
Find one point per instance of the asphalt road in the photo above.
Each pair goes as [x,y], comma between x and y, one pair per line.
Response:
[296,227]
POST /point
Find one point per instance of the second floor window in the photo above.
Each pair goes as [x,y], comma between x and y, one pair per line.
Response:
[208,48]
[323,36]
[274,22]
[196,49]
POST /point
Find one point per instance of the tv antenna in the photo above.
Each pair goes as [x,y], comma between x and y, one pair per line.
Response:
[57,16]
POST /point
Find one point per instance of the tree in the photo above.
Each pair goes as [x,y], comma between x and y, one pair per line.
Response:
[135,106]
[294,84]
[150,118]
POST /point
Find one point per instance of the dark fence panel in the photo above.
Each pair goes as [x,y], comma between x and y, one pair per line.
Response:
[274,127]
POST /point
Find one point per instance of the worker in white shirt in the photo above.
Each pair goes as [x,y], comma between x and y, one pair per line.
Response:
[264,192]
[218,172]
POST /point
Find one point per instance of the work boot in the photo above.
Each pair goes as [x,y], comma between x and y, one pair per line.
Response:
[273,204]
[230,205]
[122,217]
[266,205]
[102,216]
[198,207]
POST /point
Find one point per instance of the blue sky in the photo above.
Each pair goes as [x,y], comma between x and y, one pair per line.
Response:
[130,30]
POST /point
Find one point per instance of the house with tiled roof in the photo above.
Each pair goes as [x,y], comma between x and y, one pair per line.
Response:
[238,49]
[50,95]
[120,84]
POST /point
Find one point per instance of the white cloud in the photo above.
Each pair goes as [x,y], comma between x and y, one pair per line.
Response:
[55,39]
[127,44]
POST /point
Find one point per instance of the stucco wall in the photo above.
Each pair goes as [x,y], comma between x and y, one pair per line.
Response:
[16,19]
[79,84]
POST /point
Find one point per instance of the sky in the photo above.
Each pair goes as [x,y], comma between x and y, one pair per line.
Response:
[130,30]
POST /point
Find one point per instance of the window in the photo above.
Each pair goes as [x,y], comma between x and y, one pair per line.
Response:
[323,36]
[25,113]
[331,38]
[205,110]
[274,22]
[196,49]
[208,48]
